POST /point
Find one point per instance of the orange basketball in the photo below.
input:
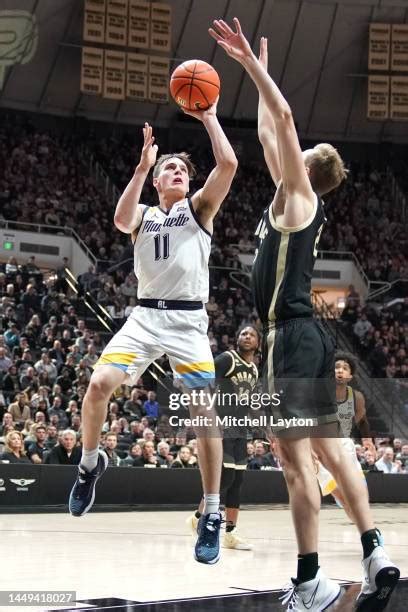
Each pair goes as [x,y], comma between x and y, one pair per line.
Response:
[195,85]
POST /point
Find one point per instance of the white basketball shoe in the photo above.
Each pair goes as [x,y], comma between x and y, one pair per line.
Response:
[312,596]
[192,524]
[380,579]
[234,541]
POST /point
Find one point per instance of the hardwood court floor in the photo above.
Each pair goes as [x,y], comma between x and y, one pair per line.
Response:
[147,556]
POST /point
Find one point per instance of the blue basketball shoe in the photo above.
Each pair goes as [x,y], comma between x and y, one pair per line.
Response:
[83,492]
[207,548]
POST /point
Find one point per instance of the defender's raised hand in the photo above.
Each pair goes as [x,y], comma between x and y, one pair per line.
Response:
[234,43]
[263,52]
[149,151]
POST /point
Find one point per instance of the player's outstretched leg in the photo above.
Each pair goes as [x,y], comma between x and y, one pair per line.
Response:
[94,461]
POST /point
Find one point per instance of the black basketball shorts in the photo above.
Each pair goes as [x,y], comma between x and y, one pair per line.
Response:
[298,374]
[235,453]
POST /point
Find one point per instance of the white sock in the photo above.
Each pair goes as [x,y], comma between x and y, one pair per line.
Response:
[89,459]
[211,503]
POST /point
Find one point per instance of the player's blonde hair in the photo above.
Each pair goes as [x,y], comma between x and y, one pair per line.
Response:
[185,157]
[327,169]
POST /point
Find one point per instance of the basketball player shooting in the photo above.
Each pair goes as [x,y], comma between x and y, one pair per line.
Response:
[172,243]
[297,348]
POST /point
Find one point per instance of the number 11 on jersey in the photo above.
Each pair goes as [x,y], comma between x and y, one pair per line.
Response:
[158,246]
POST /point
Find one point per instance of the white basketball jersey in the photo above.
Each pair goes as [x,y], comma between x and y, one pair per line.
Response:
[346,413]
[171,254]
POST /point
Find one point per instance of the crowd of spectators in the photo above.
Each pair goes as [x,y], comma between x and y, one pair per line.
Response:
[374,455]
[47,348]
[47,351]
[46,355]
[383,455]
[380,336]
[46,179]
[361,217]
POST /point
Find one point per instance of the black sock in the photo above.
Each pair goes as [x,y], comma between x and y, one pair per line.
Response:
[370,541]
[229,527]
[197,514]
[308,566]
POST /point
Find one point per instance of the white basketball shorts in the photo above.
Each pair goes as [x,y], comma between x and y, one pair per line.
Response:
[150,333]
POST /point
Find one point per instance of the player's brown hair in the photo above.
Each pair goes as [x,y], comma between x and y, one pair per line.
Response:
[348,358]
[327,169]
[185,157]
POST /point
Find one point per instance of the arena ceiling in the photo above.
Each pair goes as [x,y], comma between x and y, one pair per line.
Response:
[318,55]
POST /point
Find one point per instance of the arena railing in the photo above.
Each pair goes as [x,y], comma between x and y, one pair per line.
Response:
[385,288]
[389,300]
[345,255]
[41,228]
[340,255]
[380,290]
[102,178]
[233,275]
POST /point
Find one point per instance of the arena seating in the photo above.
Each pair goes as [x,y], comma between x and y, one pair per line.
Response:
[46,180]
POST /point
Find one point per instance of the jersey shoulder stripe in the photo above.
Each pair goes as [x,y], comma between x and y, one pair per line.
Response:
[196,218]
[232,368]
[292,230]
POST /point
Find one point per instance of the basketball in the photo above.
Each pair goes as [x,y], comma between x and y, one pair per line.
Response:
[195,85]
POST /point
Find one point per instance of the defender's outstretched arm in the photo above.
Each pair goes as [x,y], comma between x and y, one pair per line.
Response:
[266,125]
[300,198]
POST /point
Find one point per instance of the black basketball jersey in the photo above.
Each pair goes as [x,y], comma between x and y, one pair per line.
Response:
[236,380]
[283,267]
[235,375]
